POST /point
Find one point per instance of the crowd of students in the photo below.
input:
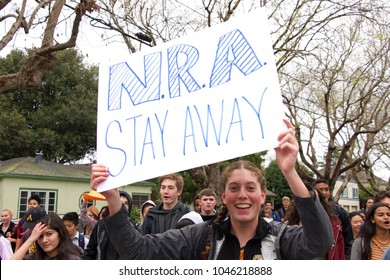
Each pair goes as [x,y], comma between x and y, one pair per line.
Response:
[239,231]
[308,226]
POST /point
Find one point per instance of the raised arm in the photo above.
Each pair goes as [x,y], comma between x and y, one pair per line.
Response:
[100,174]
[87,220]
[286,156]
[35,234]
[315,237]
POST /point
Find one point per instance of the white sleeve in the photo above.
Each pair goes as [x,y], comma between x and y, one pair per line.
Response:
[5,248]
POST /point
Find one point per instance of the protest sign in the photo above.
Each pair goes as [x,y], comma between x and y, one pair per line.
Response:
[205,98]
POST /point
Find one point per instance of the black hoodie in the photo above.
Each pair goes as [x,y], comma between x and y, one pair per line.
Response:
[100,246]
[129,199]
[159,220]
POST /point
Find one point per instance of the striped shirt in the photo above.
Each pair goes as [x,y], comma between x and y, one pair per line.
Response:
[378,248]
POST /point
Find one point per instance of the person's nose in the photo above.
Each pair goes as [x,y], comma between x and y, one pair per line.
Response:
[45,239]
[242,194]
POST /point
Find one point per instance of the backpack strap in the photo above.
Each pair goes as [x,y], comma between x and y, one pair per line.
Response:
[277,240]
[81,240]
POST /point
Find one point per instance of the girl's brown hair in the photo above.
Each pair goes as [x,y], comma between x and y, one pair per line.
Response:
[223,210]
[242,164]
[66,249]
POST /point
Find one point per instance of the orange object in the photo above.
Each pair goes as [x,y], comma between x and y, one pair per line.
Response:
[93,195]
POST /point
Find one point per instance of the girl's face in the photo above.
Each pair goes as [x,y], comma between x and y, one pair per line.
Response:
[243,196]
[49,241]
[381,218]
[356,222]
[369,203]
[146,210]
[91,215]
[5,217]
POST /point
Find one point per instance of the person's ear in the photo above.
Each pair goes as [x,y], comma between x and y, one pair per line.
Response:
[263,196]
[222,194]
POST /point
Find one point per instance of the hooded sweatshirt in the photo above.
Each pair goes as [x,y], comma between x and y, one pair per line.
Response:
[159,220]
[129,199]
[100,246]
[146,203]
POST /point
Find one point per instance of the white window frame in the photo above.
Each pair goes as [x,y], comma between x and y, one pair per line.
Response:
[345,193]
[48,200]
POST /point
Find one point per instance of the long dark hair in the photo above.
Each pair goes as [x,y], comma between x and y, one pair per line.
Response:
[369,230]
[66,249]
[292,215]
[104,212]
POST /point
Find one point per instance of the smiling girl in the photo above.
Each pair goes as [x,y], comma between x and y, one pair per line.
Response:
[53,241]
[8,229]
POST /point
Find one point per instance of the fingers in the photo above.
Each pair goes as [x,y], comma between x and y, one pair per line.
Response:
[288,123]
[287,139]
[288,146]
[40,226]
[290,130]
[98,169]
[99,174]
[38,230]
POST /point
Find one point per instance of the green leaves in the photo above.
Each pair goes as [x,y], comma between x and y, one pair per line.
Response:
[57,117]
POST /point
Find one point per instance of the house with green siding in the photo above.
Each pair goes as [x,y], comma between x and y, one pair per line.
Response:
[60,186]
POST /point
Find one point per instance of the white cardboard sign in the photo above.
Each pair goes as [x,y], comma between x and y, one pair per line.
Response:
[201,99]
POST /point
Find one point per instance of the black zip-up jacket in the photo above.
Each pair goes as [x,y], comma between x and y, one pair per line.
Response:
[273,240]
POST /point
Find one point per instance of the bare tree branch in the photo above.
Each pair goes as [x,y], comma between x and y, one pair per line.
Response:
[43,58]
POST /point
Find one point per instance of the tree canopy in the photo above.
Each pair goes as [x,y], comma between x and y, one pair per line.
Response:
[58,117]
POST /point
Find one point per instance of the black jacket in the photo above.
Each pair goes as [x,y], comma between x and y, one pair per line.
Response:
[273,240]
[159,220]
[100,246]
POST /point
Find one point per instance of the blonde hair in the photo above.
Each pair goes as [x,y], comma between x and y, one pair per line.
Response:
[9,211]
[94,211]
